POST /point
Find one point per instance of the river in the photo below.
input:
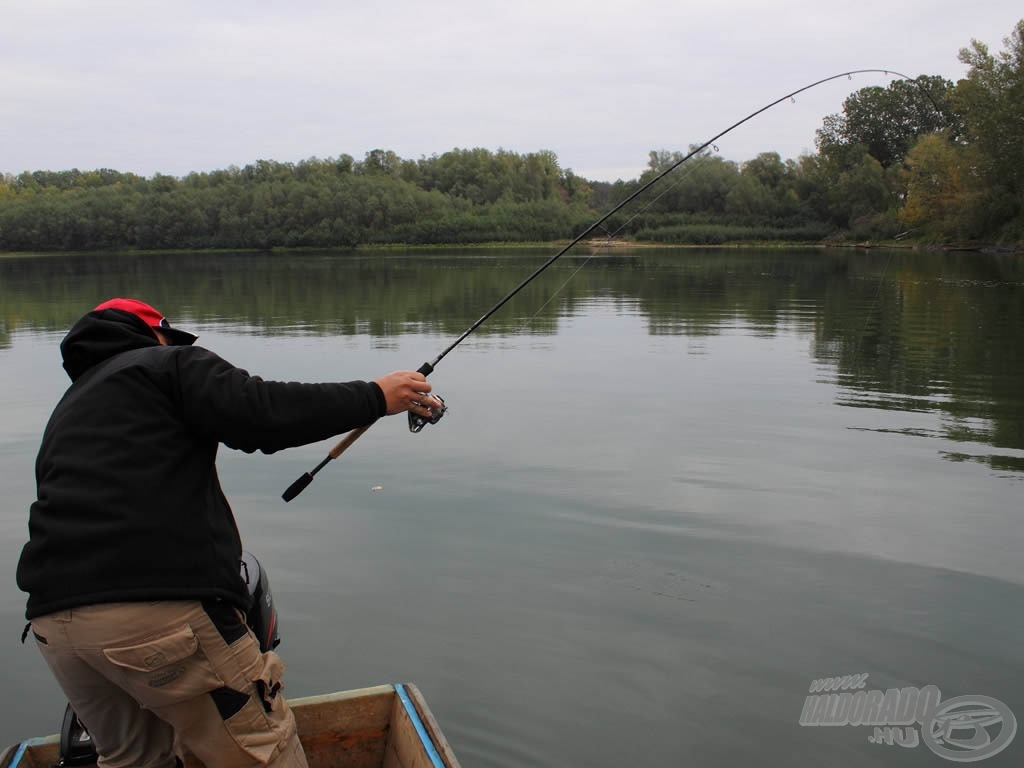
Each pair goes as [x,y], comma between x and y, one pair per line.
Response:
[673,489]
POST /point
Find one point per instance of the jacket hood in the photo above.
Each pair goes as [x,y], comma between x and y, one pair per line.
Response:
[99,336]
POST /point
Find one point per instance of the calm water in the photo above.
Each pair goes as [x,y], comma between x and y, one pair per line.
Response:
[669,494]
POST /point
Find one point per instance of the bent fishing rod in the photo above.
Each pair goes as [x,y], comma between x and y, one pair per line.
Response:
[416,422]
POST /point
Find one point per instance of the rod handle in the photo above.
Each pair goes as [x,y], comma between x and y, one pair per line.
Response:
[297,487]
[300,485]
[346,441]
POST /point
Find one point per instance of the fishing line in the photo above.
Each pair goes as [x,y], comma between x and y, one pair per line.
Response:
[610,235]
[679,178]
[416,422]
[558,290]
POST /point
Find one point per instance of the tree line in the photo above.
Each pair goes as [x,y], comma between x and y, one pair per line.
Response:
[926,159]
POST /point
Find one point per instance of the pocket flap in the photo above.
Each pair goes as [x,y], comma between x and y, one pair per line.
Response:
[153,654]
[269,682]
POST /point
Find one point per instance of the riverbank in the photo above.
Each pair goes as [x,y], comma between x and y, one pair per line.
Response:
[593,243]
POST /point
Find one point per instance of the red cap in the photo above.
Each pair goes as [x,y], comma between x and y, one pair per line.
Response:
[151,317]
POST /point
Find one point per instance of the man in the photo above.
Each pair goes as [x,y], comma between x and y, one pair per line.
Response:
[132,564]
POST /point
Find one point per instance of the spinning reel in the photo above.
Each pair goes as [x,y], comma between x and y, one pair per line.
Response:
[417,422]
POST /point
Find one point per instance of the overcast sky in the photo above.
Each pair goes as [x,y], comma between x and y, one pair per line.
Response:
[174,87]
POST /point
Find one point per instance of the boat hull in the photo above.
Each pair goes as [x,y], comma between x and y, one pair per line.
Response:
[388,726]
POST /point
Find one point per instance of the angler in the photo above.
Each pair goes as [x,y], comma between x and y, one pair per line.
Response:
[132,563]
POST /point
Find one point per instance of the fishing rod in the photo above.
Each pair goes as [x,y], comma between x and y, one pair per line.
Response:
[417,422]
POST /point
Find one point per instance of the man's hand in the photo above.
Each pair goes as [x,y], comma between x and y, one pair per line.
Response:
[407,391]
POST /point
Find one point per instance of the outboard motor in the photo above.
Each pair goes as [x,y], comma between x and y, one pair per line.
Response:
[262,615]
[76,747]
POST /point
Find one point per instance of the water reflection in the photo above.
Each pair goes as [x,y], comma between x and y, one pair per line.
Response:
[898,331]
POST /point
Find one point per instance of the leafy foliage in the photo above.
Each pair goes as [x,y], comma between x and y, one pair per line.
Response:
[886,121]
[992,99]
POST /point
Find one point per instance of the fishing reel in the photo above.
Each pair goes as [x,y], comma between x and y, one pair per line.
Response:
[417,422]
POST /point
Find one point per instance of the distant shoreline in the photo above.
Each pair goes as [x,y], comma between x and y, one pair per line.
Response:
[593,244]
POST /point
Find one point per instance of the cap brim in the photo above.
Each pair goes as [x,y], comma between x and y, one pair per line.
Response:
[178,337]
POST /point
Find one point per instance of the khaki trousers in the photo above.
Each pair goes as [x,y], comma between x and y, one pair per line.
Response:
[151,679]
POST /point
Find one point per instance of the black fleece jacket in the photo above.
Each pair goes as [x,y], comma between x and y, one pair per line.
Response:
[129,504]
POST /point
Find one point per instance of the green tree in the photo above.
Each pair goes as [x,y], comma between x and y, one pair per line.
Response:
[886,121]
[992,100]
[380,162]
[938,187]
[701,184]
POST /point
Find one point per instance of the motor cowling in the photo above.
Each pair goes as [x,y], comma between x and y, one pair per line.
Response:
[262,615]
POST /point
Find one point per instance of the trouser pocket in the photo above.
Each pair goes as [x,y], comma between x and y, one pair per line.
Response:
[261,723]
[164,670]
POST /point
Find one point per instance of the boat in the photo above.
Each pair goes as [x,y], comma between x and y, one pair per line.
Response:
[387,726]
